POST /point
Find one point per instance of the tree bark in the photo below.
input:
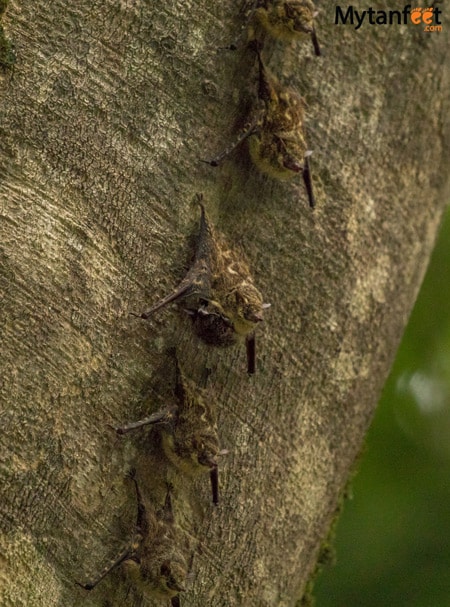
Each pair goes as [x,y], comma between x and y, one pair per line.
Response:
[104,118]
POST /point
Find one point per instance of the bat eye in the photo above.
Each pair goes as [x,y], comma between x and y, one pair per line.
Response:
[293,165]
[198,444]
[289,11]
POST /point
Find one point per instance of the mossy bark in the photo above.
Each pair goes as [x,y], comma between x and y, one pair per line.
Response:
[104,118]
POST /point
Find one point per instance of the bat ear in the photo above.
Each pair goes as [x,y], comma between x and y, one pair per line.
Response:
[214,476]
[317,49]
[307,180]
[250,346]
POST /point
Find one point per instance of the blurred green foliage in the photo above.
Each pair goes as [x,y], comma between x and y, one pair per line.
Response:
[393,538]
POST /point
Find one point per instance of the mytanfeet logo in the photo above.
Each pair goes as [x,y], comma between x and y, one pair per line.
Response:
[429,18]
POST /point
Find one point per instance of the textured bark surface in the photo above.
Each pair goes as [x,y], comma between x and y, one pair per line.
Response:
[103,119]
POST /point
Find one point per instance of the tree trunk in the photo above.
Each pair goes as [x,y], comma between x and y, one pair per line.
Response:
[104,118]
